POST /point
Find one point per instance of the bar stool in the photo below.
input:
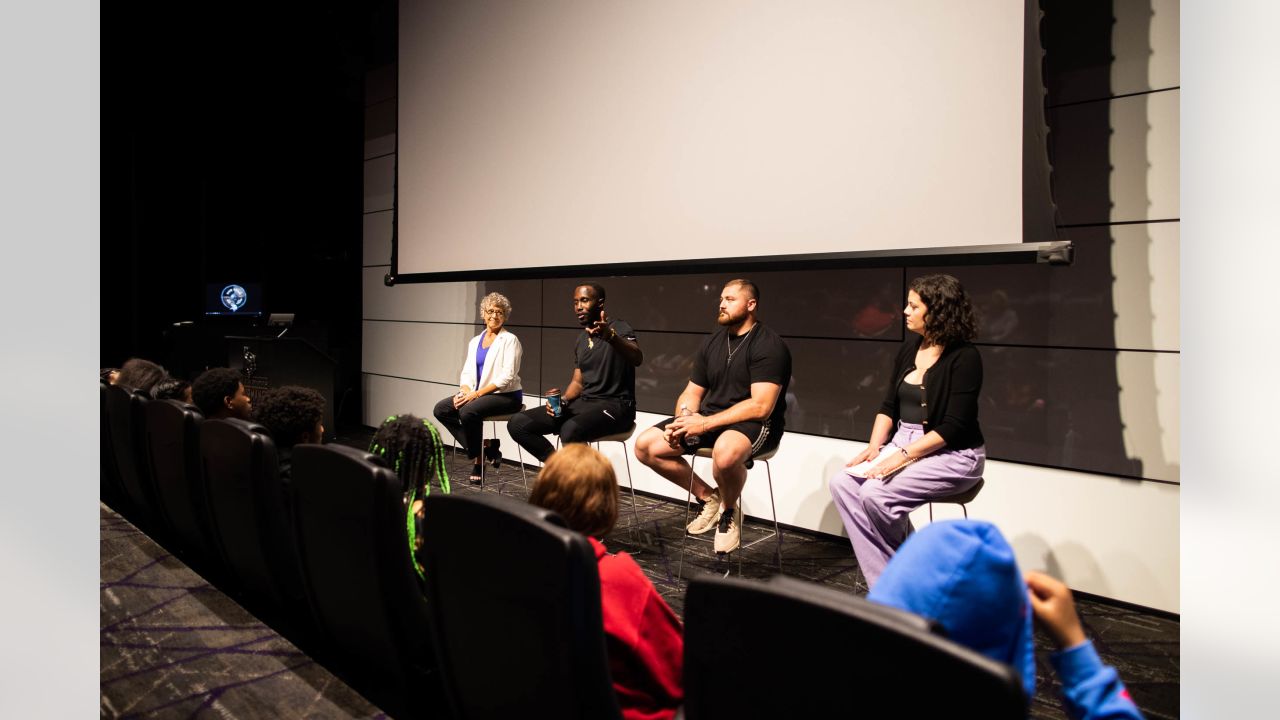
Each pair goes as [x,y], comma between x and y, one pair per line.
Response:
[763,457]
[960,498]
[493,420]
[620,437]
[623,437]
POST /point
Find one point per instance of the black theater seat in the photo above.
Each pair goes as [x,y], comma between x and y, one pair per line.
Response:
[515,607]
[248,511]
[359,580]
[753,649]
[173,439]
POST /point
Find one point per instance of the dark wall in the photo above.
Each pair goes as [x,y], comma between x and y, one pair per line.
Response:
[231,148]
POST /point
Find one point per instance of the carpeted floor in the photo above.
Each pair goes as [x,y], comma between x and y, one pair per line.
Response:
[174,646]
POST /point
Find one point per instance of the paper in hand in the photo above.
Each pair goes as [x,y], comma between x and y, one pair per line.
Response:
[861,469]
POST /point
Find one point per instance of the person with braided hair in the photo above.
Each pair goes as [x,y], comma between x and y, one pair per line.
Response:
[412,448]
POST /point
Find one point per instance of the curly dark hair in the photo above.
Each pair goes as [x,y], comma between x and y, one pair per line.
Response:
[289,411]
[140,374]
[949,316]
[214,384]
[170,388]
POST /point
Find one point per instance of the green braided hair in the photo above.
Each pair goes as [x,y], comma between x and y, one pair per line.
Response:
[413,447]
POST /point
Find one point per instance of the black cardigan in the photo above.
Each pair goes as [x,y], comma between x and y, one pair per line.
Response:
[951,390]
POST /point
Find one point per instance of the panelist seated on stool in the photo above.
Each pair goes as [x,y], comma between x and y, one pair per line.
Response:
[488,385]
[600,399]
[735,403]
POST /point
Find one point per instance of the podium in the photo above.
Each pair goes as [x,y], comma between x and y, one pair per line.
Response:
[269,362]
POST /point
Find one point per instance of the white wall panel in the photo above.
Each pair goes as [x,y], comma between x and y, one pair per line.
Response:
[379,183]
[1149,405]
[380,128]
[1144,157]
[377,239]
[423,351]
[384,396]
[431,302]
[1145,44]
[1145,263]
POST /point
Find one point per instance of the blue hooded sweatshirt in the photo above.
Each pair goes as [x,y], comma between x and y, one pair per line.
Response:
[963,574]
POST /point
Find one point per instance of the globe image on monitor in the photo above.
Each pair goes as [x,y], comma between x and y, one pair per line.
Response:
[234,296]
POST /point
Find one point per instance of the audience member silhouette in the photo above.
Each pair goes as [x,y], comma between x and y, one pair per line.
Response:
[645,639]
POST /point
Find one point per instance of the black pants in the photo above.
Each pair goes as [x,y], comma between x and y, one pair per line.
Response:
[467,423]
[581,421]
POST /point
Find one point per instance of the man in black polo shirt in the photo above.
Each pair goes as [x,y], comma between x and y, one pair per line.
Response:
[735,403]
[601,397]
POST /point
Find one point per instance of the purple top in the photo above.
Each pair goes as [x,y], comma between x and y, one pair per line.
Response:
[481,353]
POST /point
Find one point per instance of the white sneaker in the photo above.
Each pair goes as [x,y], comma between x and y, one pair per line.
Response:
[729,530]
[709,515]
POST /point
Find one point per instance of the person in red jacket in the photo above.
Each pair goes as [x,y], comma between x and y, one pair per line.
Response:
[645,639]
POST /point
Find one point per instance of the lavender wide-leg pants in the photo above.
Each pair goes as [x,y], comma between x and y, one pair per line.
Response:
[875,512]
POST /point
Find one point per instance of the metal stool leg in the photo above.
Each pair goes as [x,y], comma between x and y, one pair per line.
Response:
[684,529]
[484,463]
[635,517]
[777,529]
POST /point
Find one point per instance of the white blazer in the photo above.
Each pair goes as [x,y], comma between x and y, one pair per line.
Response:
[501,365]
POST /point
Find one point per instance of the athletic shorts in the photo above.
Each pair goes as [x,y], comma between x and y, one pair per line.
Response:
[763,437]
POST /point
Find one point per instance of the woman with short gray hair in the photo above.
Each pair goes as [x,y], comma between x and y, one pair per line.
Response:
[489,384]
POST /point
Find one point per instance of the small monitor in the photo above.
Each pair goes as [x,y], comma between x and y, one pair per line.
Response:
[233,298]
[280,319]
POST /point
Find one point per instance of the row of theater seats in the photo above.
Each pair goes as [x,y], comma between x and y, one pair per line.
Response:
[510,621]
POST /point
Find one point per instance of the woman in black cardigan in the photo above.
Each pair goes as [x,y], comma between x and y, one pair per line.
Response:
[931,413]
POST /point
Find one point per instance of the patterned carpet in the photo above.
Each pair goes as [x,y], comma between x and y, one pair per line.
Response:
[174,646]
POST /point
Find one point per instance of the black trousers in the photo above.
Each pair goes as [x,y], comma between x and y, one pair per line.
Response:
[467,423]
[583,420]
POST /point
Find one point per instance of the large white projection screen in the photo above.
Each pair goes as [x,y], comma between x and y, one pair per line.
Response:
[580,132]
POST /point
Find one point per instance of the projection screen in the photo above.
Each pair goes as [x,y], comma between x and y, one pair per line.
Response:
[604,132]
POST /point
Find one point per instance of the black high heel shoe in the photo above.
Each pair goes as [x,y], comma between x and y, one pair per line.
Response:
[493,453]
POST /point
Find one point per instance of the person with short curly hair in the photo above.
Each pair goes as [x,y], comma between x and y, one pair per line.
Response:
[926,442]
[293,414]
[644,638]
[488,385]
[219,394]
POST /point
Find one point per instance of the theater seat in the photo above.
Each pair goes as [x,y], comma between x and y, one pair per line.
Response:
[110,487]
[126,413]
[358,576]
[173,439]
[248,513]
[514,598]
[787,648]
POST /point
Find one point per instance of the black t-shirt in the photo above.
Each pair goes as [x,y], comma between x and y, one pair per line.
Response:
[758,356]
[606,373]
